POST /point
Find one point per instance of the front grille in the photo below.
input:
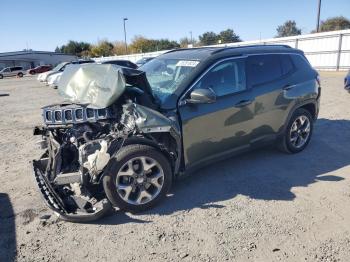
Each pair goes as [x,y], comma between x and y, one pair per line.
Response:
[71,114]
[79,114]
[58,116]
[48,116]
[68,115]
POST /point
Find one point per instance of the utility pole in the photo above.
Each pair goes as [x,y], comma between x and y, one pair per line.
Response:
[126,45]
[318,16]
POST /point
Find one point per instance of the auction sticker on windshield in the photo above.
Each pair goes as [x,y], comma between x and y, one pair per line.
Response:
[188,63]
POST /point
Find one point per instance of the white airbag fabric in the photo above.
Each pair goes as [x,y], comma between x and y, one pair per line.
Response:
[98,85]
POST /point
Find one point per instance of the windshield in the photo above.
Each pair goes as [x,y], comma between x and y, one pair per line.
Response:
[165,75]
[58,67]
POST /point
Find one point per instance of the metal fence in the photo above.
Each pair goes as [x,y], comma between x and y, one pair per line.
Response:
[325,51]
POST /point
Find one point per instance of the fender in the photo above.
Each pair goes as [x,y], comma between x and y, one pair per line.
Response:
[295,107]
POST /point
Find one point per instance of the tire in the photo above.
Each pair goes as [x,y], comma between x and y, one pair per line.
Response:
[133,186]
[1,76]
[32,73]
[20,74]
[294,139]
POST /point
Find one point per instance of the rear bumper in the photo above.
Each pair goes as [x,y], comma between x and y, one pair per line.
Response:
[56,203]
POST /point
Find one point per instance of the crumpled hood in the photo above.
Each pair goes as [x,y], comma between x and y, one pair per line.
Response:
[99,85]
[96,85]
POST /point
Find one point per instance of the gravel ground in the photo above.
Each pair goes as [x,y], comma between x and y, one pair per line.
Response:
[260,206]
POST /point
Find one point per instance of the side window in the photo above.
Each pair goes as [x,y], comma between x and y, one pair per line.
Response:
[225,78]
[287,65]
[263,69]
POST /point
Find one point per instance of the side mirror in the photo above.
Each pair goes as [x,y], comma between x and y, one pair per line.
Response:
[202,96]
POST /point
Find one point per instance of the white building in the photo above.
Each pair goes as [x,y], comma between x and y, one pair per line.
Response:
[30,59]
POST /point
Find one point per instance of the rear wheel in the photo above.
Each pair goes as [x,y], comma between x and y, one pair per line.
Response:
[20,74]
[138,179]
[1,76]
[298,132]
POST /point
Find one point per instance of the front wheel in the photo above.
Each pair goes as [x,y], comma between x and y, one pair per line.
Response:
[1,76]
[138,179]
[298,132]
[20,74]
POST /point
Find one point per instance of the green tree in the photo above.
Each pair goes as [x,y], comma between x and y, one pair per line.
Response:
[208,38]
[74,48]
[141,44]
[184,42]
[103,48]
[119,48]
[165,44]
[228,36]
[335,23]
[289,28]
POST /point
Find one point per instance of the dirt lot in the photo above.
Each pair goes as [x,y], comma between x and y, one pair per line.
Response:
[261,206]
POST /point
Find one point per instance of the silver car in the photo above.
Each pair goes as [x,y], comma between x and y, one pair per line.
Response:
[12,71]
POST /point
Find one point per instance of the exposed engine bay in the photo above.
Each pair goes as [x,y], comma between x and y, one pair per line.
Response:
[80,142]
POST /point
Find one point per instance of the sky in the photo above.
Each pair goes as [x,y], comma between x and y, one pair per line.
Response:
[43,25]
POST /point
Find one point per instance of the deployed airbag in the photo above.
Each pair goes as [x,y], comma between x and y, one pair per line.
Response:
[98,85]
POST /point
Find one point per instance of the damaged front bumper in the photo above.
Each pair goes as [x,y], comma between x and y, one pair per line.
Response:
[57,204]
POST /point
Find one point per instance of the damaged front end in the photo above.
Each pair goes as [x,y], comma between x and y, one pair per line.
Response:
[80,141]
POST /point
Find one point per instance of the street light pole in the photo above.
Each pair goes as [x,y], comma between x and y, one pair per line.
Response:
[318,16]
[126,45]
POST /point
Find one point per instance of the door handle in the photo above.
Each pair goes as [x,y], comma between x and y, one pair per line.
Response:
[287,87]
[244,103]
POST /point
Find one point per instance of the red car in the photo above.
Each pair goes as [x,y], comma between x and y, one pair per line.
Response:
[39,69]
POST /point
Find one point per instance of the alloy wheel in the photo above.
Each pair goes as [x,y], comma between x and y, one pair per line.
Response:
[300,131]
[139,180]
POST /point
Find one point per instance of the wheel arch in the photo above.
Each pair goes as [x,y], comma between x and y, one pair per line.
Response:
[309,105]
[143,140]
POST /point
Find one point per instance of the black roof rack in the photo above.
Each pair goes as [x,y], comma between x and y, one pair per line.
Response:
[193,48]
[247,46]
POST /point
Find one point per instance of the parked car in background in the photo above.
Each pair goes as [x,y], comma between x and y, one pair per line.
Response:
[83,61]
[53,79]
[125,63]
[12,71]
[347,82]
[143,61]
[189,108]
[39,69]
[43,77]
[59,68]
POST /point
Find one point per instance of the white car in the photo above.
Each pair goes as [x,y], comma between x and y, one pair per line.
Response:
[59,68]
[53,79]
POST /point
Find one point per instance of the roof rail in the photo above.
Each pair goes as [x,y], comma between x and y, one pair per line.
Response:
[248,46]
[192,48]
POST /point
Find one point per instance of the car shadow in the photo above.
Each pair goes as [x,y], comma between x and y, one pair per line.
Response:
[7,229]
[265,174]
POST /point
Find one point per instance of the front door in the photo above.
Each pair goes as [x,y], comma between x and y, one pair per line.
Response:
[213,130]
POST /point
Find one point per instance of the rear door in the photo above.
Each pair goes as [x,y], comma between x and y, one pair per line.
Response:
[213,130]
[13,71]
[269,77]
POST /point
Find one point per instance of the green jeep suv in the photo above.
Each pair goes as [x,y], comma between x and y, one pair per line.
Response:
[180,111]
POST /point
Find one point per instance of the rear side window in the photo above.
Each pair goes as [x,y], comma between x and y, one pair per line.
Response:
[16,68]
[287,65]
[225,78]
[263,69]
[301,63]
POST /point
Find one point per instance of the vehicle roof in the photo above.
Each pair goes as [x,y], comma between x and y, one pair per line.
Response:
[203,53]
